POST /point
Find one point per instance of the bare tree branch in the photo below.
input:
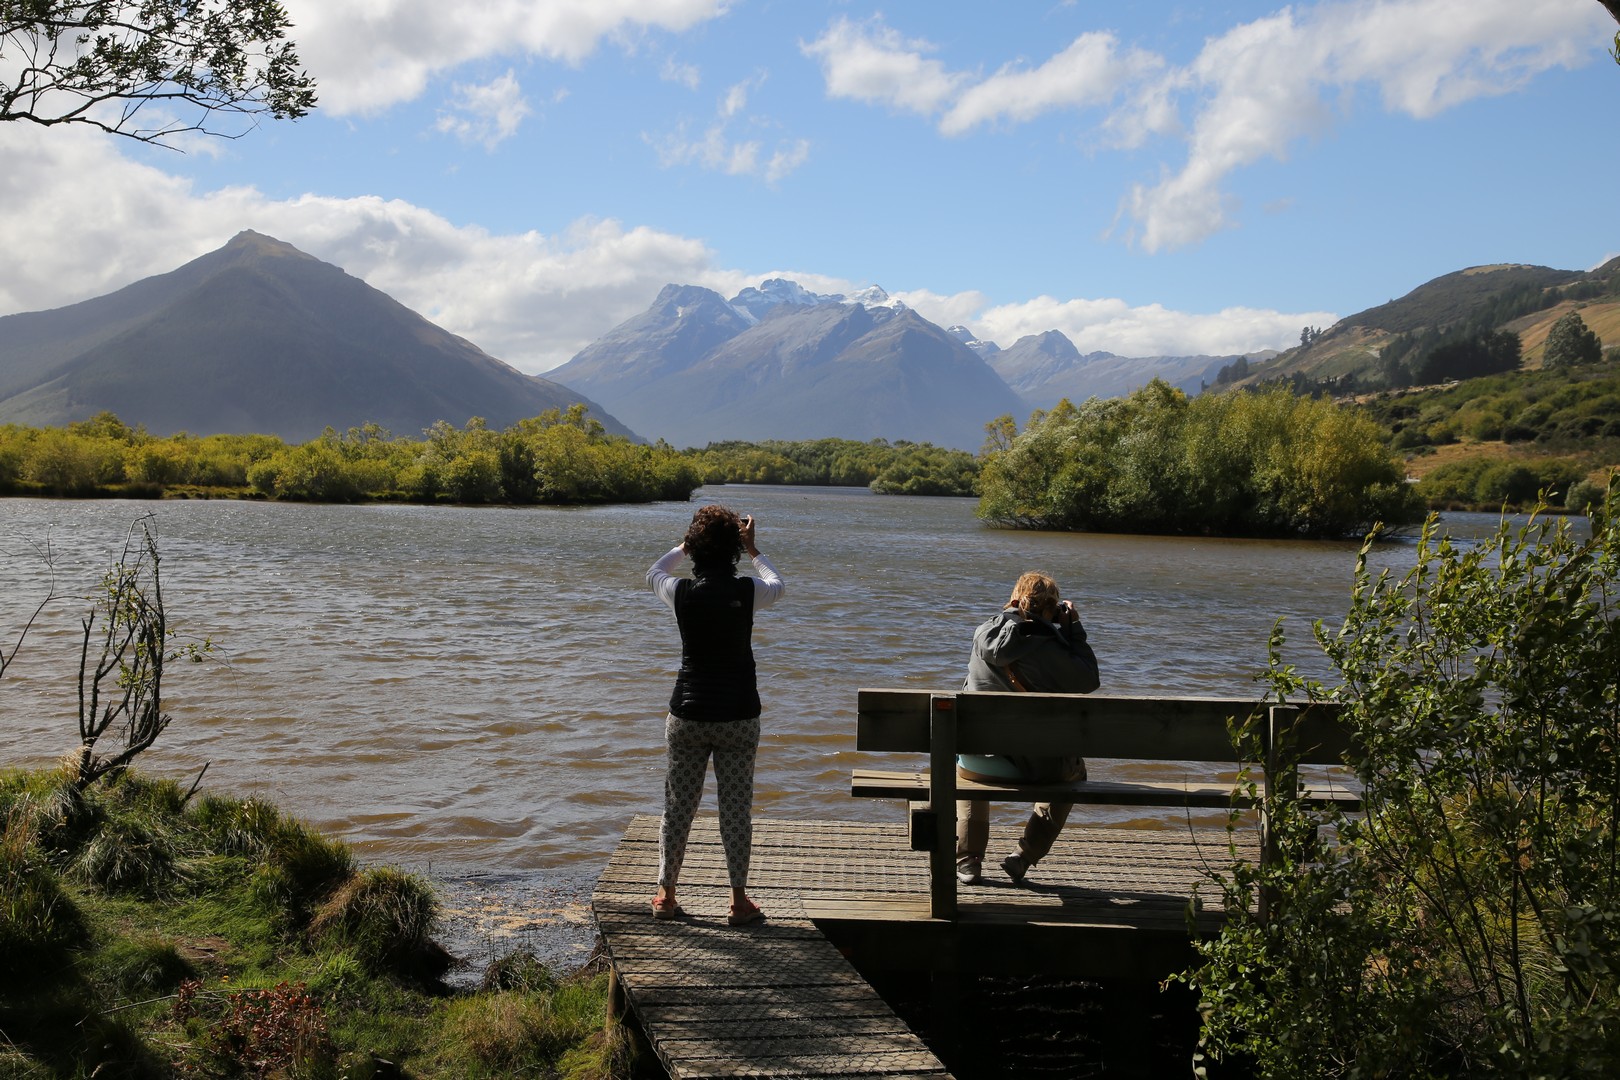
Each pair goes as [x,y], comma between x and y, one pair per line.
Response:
[48,557]
[122,690]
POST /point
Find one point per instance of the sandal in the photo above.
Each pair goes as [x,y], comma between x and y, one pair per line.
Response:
[742,916]
[665,908]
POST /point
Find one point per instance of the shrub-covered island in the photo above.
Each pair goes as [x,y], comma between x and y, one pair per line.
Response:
[1247,464]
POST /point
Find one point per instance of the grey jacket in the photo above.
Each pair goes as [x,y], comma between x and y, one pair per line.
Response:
[1047,660]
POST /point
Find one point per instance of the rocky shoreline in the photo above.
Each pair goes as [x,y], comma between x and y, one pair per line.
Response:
[486,915]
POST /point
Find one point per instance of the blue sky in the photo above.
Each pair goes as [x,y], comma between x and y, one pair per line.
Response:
[1150,178]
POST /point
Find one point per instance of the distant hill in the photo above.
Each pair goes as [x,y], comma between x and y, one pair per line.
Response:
[1045,368]
[258,337]
[1526,300]
[781,363]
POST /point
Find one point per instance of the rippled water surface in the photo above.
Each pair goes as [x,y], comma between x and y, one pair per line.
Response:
[462,687]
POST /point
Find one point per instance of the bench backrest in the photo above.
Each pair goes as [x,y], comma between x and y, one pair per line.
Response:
[1088,725]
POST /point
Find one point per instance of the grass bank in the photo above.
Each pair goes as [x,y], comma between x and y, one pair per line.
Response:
[145,932]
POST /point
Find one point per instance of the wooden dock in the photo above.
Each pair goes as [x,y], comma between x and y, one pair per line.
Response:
[784,997]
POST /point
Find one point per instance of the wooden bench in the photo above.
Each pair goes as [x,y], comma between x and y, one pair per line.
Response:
[1097,728]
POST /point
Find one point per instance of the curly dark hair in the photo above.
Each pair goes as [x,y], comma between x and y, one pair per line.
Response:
[714,539]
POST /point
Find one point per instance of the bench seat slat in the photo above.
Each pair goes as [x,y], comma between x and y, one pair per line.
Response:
[912,785]
[881,784]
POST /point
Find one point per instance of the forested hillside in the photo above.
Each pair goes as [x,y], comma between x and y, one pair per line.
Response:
[1475,322]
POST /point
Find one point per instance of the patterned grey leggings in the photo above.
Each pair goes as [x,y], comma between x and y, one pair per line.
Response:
[733,744]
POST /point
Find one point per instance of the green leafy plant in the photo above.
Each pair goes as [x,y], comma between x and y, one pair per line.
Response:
[1469,920]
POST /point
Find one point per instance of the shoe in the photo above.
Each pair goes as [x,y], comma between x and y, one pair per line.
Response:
[967,869]
[665,908]
[742,916]
[1016,866]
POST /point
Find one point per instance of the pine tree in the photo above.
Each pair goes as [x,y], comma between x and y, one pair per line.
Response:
[1570,342]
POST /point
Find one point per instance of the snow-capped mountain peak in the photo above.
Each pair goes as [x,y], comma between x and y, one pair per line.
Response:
[985,349]
[752,303]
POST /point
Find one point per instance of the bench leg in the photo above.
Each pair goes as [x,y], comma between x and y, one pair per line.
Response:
[942,798]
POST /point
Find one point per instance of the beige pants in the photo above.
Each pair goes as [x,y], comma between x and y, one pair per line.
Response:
[1045,819]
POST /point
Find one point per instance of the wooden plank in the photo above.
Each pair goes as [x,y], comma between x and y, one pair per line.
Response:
[892,720]
[914,786]
[1132,727]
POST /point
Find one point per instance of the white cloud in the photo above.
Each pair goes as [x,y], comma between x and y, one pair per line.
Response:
[873,63]
[958,309]
[786,159]
[488,114]
[1265,85]
[1252,92]
[687,75]
[717,151]
[1112,325]
[736,99]
[1090,72]
[368,56]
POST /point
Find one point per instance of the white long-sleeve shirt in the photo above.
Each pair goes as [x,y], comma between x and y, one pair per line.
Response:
[768,586]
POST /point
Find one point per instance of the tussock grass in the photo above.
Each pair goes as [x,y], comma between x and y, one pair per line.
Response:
[514,1033]
[383,915]
[147,934]
[39,922]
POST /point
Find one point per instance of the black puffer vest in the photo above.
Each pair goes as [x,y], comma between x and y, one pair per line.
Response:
[716,681]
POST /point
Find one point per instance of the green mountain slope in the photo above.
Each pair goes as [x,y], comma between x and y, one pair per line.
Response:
[1367,351]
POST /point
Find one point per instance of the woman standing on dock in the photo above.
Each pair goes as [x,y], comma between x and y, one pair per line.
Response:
[715,706]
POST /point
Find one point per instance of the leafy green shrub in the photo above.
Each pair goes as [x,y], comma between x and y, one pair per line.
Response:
[1571,341]
[1583,495]
[1468,923]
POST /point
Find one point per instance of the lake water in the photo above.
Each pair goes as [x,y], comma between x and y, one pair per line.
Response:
[484,688]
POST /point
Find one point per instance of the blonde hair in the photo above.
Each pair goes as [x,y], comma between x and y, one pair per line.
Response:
[1036,596]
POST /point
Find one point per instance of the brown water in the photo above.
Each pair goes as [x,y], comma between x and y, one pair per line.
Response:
[460,688]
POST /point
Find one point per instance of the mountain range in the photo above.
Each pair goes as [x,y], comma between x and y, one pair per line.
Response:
[777,362]
[258,337]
